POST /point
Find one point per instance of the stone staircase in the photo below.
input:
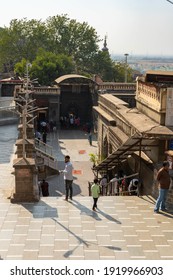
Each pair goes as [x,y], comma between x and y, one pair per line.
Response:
[46,161]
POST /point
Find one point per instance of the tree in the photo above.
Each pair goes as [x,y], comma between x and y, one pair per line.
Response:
[20,67]
[21,40]
[70,44]
[48,66]
[119,72]
[103,66]
[75,39]
[58,34]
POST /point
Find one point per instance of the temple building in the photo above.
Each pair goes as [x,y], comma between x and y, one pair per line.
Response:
[138,139]
[71,95]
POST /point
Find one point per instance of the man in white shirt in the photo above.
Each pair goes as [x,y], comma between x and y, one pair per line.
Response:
[68,177]
[113,185]
[103,184]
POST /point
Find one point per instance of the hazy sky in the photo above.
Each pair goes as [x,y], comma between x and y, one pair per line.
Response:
[132,26]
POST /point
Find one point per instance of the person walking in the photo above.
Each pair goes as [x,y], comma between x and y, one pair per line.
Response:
[68,178]
[90,138]
[95,191]
[164,180]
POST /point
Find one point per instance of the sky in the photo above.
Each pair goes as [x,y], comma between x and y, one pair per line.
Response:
[136,27]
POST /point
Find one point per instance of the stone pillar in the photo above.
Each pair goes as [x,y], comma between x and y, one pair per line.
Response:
[26,186]
[29,148]
[29,131]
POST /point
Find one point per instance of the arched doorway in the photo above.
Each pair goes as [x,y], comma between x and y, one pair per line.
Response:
[77,95]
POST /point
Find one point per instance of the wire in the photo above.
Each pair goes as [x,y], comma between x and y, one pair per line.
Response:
[169,1]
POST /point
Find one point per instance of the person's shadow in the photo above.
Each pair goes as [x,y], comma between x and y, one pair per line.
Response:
[94,214]
[42,210]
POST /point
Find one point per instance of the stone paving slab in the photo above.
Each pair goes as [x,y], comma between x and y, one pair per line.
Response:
[122,228]
[98,235]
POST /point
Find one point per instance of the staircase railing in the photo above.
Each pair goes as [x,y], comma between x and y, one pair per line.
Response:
[45,151]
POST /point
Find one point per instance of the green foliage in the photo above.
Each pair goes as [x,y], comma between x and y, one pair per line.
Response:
[21,41]
[20,67]
[103,66]
[93,158]
[58,46]
[47,66]
[119,72]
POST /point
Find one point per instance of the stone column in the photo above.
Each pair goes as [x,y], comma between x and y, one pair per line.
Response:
[26,187]
[29,148]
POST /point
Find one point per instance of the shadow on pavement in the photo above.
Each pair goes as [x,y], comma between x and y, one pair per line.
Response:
[89,212]
[41,210]
[57,186]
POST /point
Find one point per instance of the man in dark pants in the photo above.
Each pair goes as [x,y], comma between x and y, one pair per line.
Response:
[45,188]
[68,177]
[164,180]
[95,191]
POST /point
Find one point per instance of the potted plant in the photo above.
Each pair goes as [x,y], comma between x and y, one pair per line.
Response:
[93,159]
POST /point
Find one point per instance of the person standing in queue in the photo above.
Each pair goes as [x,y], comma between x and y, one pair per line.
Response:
[68,178]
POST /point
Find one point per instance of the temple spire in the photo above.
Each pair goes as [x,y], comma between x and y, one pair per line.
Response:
[105,49]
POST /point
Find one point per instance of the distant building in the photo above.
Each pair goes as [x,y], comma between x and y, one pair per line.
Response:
[7,86]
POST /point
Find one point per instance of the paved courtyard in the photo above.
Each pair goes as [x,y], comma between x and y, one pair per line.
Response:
[123,227]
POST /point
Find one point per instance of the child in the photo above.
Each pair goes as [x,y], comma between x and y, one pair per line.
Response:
[95,191]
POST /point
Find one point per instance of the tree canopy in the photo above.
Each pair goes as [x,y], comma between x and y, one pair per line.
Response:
[57,46]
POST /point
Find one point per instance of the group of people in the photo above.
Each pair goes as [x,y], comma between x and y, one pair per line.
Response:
[98,188]
[41,136]
[119,185]
[70,121]
[43,128]
[163,178]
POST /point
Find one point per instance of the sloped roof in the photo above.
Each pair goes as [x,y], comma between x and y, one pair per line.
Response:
[72,76]
[131,145]
[159,72]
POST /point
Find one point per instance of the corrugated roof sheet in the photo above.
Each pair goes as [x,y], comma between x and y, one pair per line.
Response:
[126,149]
